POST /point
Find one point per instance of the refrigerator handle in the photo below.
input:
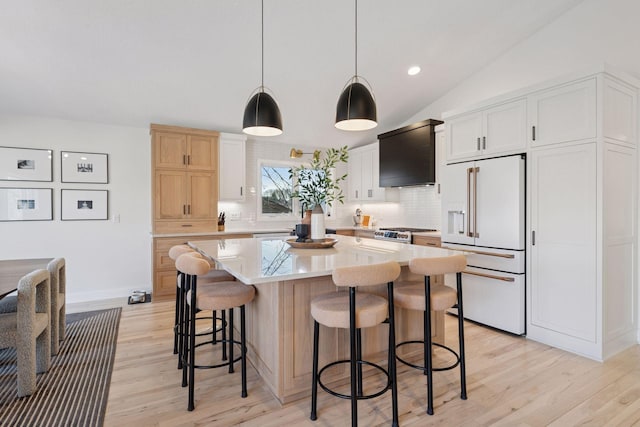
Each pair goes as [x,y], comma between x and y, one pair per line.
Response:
[469,172]
[475,202]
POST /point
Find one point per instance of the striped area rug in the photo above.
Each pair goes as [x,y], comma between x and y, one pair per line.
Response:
[75,389]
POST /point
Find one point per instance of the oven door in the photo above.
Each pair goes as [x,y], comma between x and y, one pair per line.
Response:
[493,298]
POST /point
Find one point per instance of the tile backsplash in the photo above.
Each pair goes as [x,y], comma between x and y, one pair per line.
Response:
[405,207]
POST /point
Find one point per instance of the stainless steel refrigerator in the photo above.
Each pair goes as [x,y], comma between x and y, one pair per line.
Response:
[483,207]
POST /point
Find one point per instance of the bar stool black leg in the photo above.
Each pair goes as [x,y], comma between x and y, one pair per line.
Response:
[314,378]
[427,339]
[243,349]
[224,334]
[192,345]
[359,357]
[392,356]
[186,322]
[177,318]
[231,340]
[463,378]
[214,341]
[352,356]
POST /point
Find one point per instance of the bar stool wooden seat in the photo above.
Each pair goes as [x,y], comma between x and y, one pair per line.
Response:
[424,297]
[221,296]
[212,276]
[356,310]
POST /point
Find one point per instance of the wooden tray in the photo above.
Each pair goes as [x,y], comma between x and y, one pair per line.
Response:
[325,243]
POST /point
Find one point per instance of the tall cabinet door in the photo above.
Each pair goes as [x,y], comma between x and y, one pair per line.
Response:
[202,153]
[170,150]
[202,195]
[562,274]
[169,199]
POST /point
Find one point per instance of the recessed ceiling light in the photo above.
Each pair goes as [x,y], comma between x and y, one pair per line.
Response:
[413,70]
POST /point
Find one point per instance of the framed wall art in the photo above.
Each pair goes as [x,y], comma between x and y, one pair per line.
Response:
[78,205]
[84,167]
[26,204]
[25,164]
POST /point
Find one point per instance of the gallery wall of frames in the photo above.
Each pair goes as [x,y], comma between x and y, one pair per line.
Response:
[91,202]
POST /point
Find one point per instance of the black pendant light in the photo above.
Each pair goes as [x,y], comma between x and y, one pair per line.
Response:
[356,109]
[262,115]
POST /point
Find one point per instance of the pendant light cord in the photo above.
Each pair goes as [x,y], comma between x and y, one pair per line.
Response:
[356,27]
[262,38]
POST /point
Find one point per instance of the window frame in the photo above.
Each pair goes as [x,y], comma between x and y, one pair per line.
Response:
[295,207]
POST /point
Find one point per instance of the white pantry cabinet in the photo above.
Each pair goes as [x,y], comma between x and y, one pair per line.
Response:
[363,169]
[582,198]
[232,167]
[496,130]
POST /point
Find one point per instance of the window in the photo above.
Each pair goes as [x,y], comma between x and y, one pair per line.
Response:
[276,188]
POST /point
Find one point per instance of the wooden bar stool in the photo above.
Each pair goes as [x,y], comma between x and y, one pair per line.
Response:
[221,296]
[181,289]
[354,311]
[424,297]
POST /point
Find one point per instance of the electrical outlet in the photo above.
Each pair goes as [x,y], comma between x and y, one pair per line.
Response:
[234,216]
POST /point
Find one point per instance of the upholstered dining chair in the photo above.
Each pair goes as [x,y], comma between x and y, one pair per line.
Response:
[58,271]
[29,330]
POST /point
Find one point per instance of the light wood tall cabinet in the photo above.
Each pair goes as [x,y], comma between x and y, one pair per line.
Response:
[185,179]
[184,194]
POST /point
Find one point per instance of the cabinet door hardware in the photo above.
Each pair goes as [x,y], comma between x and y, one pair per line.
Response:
[484,142]
[533,133]
[490,276]
[533,238]
[478,144]
[356,194]
[469,172]
[189,209]
[184,159]
[184,209]
[241,191]
[369,193]
[189,159]
[509,256]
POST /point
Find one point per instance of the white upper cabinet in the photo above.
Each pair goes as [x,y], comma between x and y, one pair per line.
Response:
[620,112]
[364,174]
[232,167]
[563,114]
[496,130]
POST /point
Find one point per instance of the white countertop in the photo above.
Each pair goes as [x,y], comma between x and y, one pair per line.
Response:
[270,259]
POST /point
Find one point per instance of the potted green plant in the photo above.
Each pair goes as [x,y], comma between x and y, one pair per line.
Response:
[315,185]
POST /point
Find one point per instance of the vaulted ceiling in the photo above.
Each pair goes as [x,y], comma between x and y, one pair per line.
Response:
[195,63]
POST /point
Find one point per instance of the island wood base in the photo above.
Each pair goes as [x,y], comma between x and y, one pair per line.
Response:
[280,336]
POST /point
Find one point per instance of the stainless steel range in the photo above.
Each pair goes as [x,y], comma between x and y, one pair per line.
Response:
[398,234]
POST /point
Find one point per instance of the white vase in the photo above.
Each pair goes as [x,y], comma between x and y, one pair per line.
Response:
[317,223]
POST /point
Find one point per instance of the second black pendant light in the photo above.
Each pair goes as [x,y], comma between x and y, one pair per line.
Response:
[262,115]
[356,109]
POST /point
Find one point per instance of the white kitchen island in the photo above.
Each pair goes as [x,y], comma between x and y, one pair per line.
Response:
[279,323]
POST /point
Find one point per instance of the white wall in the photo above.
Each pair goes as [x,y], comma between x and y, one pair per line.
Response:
[593,32]
[104,259]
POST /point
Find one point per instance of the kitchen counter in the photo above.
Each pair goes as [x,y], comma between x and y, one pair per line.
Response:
[265,259]
[279,322]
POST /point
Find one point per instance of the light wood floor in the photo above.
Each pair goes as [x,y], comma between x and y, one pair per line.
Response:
[511,381]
